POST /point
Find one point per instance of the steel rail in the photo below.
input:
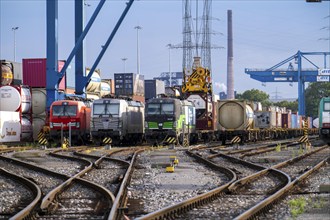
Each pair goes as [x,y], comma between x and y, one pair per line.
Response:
[32,186]
[269,149]
[114,213]
[100,159]
[184,206]
[237,160]
[261,206]
[34,167]
[7,150]
[282,164]
[271,199]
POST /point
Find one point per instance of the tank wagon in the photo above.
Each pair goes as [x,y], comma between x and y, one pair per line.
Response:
[170,121]
[117,121]
[324,119]
[235,118]
[66,115]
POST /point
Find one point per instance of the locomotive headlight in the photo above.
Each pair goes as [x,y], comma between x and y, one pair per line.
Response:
[51,125]
[175,124]
[77,124]
[146,125]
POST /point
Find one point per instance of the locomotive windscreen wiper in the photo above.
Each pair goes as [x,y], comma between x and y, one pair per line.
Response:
[65,112]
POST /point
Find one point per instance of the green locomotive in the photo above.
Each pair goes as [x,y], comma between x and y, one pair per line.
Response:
[170,121]
[324,119]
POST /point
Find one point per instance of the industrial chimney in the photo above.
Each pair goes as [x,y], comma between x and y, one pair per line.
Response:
[230,66]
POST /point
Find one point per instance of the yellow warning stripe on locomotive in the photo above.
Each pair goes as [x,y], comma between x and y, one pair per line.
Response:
[107,140]
[303,139]
[170,140]
[42,139]
[235,140]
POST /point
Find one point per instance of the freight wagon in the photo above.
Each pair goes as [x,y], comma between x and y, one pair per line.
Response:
[237,118]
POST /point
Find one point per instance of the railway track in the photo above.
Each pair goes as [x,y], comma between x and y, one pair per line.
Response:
[98,185]
[72,185]
[311,194]
[152,188]
[245,202]
[19,196]
[297,176]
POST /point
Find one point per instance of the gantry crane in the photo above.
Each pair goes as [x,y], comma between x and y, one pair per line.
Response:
[315,74]
[53,75]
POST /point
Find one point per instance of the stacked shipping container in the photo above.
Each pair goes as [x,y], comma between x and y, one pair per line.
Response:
[131,85]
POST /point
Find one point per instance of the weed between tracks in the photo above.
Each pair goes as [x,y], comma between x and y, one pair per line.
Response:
[297,206]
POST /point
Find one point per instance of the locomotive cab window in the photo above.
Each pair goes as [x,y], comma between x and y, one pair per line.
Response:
[168,108]
[326,106]
[64,110]
[160,109]
[106,109]
[153,109]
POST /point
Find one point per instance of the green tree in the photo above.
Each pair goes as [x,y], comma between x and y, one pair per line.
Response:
[313,94]
[255,95]
[289,105]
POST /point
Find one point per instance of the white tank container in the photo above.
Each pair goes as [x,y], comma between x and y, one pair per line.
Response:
[14,98]
[26,128]
[6,74]
[198,101]
[39,100]
[37,125]
[10,127]
[105,89]
[235,115]
[92,96]
[94,83]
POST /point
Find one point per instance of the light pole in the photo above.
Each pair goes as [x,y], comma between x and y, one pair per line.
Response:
[14,30]
[124,60]
[137,45]
[169,62]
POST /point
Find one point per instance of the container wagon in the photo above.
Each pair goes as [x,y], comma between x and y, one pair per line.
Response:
[238,118]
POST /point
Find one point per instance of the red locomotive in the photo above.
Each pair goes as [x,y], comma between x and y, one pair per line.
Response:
[66,115]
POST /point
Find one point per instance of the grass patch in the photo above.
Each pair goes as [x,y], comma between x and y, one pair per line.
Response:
[297,206]
[278,147]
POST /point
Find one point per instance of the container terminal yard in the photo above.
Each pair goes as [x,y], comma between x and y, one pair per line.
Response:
[167,147]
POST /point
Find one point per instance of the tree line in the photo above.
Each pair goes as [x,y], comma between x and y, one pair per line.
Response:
[313,93]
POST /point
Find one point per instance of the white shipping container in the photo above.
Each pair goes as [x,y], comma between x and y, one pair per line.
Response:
[10,127]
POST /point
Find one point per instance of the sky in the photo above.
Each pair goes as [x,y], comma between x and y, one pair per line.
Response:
[265,33]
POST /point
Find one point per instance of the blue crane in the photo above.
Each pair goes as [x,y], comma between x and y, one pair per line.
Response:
[53,75]
[314,74]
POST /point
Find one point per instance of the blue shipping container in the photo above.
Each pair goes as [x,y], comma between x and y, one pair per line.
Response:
[294,121]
